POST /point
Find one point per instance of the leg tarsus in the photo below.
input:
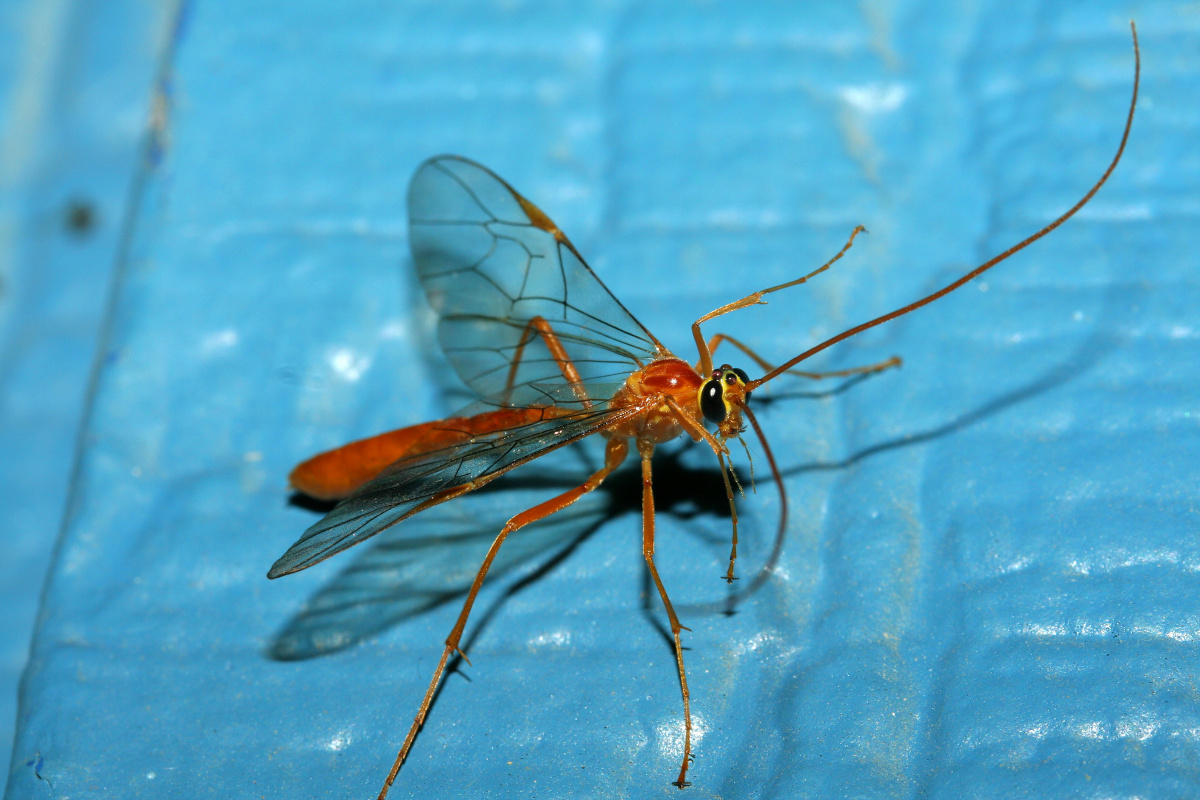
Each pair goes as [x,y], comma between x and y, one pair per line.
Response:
[676,627]
[725,470]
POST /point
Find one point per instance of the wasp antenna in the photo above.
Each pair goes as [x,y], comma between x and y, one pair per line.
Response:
[984,267]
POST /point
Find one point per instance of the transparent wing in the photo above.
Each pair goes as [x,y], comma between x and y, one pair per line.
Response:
[509,289]
[411,484]
[492,263]
[433,560]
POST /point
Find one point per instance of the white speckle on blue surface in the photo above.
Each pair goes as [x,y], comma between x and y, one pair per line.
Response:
[340,741]
[1016,565]
[349,364]
[756,642]
[392,329]
[875,98]
[218,340]
[1140,729]
[1135,212]
[1182,332]
[669,734]
[557,638]
[1035,629]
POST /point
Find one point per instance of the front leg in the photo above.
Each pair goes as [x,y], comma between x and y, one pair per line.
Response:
[700,433]
[766,366]
[705,366]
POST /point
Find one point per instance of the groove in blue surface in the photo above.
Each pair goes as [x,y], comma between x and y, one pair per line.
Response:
[74,90]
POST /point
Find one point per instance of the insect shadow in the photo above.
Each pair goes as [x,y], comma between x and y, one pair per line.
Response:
[405,573]
[1100,340]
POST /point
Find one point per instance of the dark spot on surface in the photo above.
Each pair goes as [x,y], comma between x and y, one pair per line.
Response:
[80,217]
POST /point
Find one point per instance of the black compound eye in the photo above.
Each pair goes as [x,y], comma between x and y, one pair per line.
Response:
[712,404]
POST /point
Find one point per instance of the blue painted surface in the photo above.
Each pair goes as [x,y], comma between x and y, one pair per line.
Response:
[74,93]
[988,587]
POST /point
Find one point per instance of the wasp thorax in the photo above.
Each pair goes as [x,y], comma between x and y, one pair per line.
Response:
[722,393]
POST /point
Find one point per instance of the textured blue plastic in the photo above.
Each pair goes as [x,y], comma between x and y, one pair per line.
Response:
[989,584]
[74,95]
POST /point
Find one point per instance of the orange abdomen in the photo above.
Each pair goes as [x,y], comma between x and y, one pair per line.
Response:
[338,473]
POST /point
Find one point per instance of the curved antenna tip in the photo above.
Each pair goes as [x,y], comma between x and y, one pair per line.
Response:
[984,267]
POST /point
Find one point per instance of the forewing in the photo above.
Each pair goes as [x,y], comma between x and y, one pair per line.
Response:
[491,262]
[404,487]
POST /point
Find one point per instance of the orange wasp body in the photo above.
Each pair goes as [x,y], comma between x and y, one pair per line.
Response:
[339,473]
[554,358]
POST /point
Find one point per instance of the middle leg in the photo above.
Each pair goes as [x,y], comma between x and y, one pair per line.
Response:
[645,450]
[539,325]
[755,299]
